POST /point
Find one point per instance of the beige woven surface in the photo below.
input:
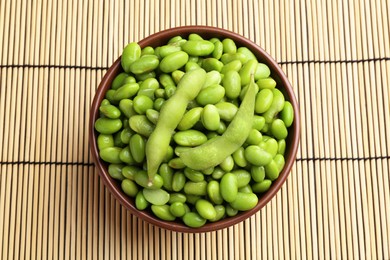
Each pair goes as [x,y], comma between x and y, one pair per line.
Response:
[336,201]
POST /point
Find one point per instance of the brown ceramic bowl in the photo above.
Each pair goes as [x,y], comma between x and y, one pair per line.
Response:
[292,141]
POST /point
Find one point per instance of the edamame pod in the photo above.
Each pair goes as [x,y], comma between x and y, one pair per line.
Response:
[198,48]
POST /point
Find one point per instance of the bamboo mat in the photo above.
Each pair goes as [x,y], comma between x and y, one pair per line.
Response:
[336,201]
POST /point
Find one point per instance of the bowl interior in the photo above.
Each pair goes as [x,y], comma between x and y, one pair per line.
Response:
[206,32]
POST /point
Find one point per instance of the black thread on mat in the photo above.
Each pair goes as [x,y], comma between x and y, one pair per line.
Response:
[39,66]
[47,163]
[343,158]
[42,66]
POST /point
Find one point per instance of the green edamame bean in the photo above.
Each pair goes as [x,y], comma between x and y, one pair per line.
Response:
[257,156]
[141,104]
[175,39]
[229,57]
[262,71]
[243,177]
[129,187]
[198,48]
[126,91]
[263,100]
[140,202]
[142,179]
[218,49]
[104,141]
[229,46]
[210,117]
[156,196]
[278,129]
[261,187]
[177,197]
[235,65]
[137,148]
[254,137]
[258,173]
[228,187]
[118,80]
[212,78]
[159,101]
[279,160]
[148,87]
[266,83]
[177,209]
[110,96]
[246,71]
[270,145]
[194,220]
[220,210]
[168,155]
[281,146]
[125,135]
[189,137]
[218,173]
[210,95]
[176,163]
[146,75]
[195,188]
[221,128]
[194,37]
[272,170]
[208,171]
[228,164]
[191,65]
[110,111]
[129,79]
[276,106]
[248,53]
[177,75]
[173,61]
[166,174]
[105,102]
[205,209]
[115,171]
[152,115]
[147,50]
[287,114]
[178,181]
[126,107]
[210,64]
[193,175]
[258,122]
[130,54]
[232,84]
[107,125]
[166,80]
[167,50]
[213,192]
[244,201]
[226,110]
[230,211]
[111,154]
[239,157]
[144,64]
[246,189]
[190,118]
[126,157]
[163,212]
[141,125]
[129,171]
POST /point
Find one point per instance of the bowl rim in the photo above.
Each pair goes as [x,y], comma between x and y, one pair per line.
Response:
[262,56]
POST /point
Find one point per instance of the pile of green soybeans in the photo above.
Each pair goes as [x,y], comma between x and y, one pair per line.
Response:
[194,130]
